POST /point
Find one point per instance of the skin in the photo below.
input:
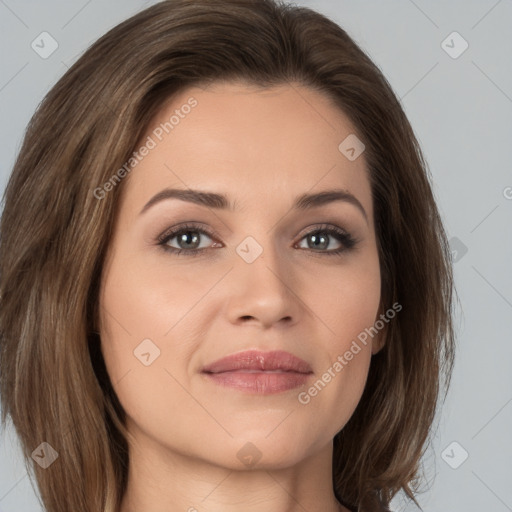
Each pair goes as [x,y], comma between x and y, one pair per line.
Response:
[261,148]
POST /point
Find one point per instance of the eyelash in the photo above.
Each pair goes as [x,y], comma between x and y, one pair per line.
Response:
[346,239]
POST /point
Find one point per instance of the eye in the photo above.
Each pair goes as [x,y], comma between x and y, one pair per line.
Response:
[187,238]
[319,240]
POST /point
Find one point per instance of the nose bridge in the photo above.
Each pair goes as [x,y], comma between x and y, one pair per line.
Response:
[263,289]
[262,260]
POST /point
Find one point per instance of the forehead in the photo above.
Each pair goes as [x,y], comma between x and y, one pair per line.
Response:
[252,144]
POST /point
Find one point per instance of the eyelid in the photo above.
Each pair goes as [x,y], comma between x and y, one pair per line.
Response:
[323,226]
[183,226]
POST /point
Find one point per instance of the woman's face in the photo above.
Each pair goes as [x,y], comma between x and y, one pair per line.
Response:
[261,274]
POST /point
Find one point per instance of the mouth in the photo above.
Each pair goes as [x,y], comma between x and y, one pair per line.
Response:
[259,372]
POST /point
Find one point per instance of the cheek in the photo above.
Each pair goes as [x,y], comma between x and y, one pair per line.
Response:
[346,299]
[148,301]
[143,308]
[334,394]
[137,318]
[347,302]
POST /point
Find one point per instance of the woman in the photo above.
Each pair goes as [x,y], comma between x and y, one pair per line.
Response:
[225,284]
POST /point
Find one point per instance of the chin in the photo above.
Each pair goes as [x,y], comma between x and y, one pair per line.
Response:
[269,450]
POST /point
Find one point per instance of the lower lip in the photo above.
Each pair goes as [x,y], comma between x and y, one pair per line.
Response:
[264,383]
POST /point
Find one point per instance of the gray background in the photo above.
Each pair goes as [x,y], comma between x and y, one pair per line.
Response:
[461,111]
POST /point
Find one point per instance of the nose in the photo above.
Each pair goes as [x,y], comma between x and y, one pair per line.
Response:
[264,292]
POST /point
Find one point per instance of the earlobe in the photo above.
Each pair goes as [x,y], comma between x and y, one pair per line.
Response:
[379,342]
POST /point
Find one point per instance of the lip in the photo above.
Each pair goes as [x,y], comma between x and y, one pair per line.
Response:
[259,372]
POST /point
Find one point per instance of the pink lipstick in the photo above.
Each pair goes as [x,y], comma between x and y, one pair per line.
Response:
[259,372]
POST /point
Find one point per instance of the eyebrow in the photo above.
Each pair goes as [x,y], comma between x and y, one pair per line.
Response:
[221,202]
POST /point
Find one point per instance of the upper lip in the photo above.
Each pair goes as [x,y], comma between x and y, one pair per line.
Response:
[257,360]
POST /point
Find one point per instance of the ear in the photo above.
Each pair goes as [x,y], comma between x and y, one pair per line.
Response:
[379,340]
[96,318]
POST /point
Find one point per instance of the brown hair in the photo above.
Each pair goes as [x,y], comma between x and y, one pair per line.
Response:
[54,234]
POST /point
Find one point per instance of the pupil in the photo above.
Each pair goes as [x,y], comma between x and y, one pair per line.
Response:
[317,241]
[185,237]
